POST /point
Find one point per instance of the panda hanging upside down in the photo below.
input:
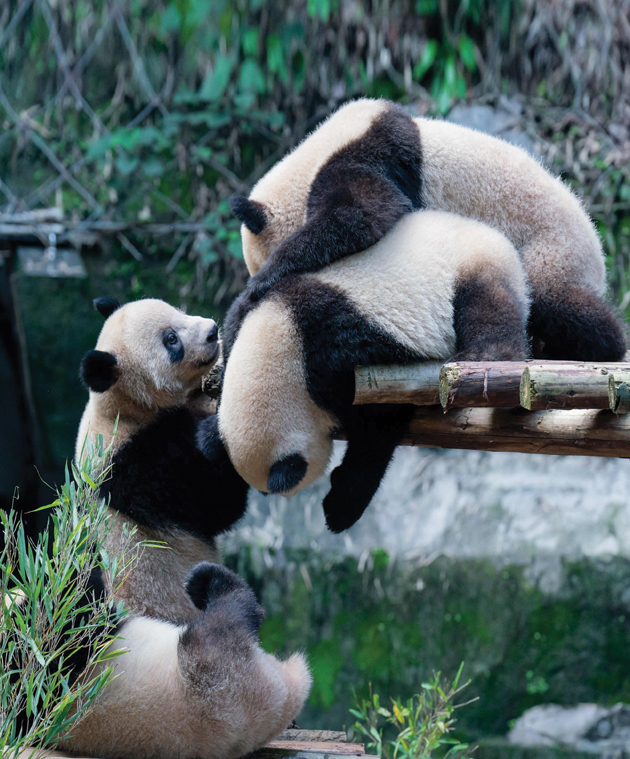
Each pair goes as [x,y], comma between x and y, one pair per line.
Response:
[436,286]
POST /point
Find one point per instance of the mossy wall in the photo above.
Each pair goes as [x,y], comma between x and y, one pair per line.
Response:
[393,623]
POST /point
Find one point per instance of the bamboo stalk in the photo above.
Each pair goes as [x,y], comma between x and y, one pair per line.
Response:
[568,386]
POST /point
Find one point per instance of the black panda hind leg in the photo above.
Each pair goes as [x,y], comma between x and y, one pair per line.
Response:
[575,324]
[490,318]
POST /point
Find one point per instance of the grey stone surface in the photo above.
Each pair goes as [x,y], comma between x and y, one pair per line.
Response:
[465,504]
[588,728]
[503,121]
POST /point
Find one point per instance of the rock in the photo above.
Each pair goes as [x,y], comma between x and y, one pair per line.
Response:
[501,121]
[586,727]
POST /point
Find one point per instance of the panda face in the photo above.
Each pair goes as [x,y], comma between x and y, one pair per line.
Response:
[152,353]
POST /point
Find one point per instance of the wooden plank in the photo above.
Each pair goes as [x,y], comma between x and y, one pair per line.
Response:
[296,734]
[318,747]
[575,432]
[270,752]
[413,383]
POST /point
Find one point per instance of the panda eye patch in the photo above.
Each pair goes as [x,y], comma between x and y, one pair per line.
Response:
[173,345]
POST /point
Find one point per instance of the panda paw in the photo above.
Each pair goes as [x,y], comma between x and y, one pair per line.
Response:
[207,581]
[212,383]
[339,517]
[209,441]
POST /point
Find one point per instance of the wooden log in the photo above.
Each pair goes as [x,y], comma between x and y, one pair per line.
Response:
[619,393]
[568,386]
[482,384]
[412,383]
[490,384]
[573,432]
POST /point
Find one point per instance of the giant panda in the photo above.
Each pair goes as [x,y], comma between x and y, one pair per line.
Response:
[146,371]
[437,286]
[203,690]
[370,163]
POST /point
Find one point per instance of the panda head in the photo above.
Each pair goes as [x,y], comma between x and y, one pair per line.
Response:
[275,209]
[150,353]
[278,439]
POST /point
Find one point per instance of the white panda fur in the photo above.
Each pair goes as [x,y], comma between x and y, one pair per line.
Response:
[160,483]
[205,690]
[435,285]
[369,163]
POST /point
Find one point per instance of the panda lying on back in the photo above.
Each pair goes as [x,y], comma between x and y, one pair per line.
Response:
[147,370]
[370,163]
[434,286]
[205,690]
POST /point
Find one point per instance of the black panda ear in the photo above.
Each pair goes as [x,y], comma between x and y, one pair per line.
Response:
[98,370]
[106,306]
[250,212]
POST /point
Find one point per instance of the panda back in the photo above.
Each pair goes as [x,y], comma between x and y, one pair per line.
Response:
[406,283]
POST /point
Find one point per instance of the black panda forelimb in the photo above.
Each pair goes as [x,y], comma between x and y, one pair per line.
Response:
[348,215]
[167,479]
[373,434]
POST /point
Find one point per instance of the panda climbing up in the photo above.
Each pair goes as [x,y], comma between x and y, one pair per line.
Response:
[346,185]
[146,371]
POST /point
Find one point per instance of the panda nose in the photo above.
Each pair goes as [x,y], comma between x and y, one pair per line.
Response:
[213,334]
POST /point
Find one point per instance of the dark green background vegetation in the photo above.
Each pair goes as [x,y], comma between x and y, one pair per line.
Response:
[160,111]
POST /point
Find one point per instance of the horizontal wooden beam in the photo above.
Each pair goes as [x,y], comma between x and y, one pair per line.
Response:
[532,384]
[414,383]
[574,432]
[569,386]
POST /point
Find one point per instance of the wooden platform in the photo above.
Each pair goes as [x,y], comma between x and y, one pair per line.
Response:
[291,744]
[569,408]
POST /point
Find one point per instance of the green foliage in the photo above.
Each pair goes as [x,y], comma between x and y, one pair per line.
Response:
[419,727]
[48,616]
[236,85]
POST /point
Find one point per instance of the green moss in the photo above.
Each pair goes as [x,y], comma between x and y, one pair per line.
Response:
[392,627]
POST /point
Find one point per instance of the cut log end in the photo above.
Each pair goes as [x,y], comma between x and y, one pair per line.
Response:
[449,374]
[619,394]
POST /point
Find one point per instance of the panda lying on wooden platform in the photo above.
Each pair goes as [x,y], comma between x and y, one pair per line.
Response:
[436,286]
[345,186]
[205,690]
